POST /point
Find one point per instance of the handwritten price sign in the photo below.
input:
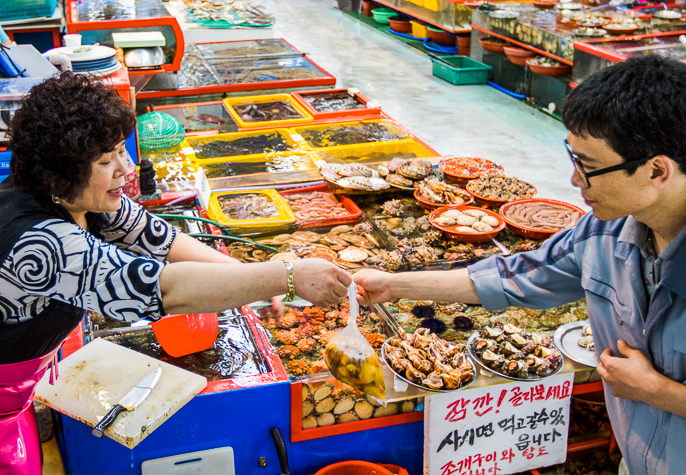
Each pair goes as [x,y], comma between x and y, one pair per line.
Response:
[499,429]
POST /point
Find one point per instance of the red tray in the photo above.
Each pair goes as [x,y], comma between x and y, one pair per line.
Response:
[355,211]
[363,112]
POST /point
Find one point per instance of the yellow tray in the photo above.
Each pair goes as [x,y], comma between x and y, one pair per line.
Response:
[393,128]
[194,144]
[232,102]
[299,159]
[366,152]
[284,218]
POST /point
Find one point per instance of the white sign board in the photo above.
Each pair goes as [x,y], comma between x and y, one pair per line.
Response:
[202,188]
[498,429]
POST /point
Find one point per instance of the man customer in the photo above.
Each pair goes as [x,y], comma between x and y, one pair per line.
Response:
[627,144]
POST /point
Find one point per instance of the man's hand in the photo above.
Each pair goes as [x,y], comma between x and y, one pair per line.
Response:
[631,377]
[376,284]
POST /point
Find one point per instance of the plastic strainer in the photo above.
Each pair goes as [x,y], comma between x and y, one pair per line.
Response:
[157,130]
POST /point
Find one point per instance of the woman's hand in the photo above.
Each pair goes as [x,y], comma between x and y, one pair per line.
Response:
[376,284]
[320,282]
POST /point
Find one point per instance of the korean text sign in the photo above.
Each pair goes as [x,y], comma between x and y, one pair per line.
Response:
[498,429]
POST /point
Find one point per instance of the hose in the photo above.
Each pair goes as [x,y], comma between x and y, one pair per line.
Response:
[193,218]
[234,238]
[506,91]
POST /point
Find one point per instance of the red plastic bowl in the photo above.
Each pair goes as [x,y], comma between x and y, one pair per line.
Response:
[463,179]
[400,25]
[549,70]
[431,206]
[181,335]
[441,37]
[450,232]
[517,55]
[494,202]
[494,45]
[533,233]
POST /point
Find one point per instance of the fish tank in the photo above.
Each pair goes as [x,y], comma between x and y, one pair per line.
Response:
[593,55]
[201,117]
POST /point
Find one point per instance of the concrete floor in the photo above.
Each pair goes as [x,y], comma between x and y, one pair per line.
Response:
[474,121]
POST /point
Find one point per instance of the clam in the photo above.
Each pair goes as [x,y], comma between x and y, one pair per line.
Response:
[453,213]
[355,183]
[476,213]
[491,221]
[444,221]
[378,183]
[587,330]
[398,180]
[482,227]
[414,172]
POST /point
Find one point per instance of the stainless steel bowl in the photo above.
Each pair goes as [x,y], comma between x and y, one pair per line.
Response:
[144,57]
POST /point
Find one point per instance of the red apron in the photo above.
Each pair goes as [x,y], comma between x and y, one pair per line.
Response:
[20,449]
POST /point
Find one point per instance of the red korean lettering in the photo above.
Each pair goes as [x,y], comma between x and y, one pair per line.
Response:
[542,451]
[529,453]
[494,469]
[507,455]
[517,397]
[482,405]
[449,469]
[457,411]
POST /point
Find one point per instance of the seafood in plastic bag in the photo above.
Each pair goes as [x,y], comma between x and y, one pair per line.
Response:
[351,359]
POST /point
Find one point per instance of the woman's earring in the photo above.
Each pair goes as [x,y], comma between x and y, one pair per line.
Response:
[55,199]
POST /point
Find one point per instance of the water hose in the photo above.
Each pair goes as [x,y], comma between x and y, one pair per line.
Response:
[506,91]
[192,218]
[233,238]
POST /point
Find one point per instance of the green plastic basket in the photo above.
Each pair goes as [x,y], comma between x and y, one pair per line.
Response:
[157,130]
[381,15]
[460,70]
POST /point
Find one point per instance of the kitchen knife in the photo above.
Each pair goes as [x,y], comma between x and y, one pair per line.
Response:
[129,402]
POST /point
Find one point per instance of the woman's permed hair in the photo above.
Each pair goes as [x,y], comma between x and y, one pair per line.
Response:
[637,106]
[63,125]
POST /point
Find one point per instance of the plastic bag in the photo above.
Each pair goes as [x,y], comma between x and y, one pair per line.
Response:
[351,359]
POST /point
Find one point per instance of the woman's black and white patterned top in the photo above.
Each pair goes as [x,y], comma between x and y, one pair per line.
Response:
[55,270]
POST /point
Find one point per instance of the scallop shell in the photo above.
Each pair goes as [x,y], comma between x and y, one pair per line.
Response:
[284,256]
[466,230]
[353,254]
[465,220]
[482,227]
[452,213]
[444,221]
[378,183]
[355,183]
[491,221]
[477,213]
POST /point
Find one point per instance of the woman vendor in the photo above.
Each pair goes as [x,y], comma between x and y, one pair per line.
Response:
[71,241]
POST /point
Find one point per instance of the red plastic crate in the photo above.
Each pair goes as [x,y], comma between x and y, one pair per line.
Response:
[360,113]
[355,211]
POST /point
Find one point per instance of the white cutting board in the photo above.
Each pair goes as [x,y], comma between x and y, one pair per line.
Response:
[93,379]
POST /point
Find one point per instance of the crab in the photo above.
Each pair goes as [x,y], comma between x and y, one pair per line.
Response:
[307,345]
[287,337]
[298,367]
[288,352]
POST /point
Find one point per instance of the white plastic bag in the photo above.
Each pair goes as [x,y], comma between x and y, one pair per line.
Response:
[350,357]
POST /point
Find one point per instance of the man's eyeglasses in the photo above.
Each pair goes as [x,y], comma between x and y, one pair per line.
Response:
[586,175]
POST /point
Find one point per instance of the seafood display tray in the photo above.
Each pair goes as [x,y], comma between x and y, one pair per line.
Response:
[354,211]
[566,339]
[530,377]
[199,118]
[232,104]
[369,111]
[424,388]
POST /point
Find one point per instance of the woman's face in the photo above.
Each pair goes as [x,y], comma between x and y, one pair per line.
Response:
[105,187]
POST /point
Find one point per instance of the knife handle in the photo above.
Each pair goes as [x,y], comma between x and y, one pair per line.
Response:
[107,421]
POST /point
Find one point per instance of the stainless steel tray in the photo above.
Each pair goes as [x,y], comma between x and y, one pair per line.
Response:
[566,339]
[403,378]
[531,377]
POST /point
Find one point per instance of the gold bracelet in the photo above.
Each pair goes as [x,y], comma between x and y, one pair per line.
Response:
[291,284]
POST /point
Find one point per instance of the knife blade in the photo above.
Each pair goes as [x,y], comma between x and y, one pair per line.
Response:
[129,402]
